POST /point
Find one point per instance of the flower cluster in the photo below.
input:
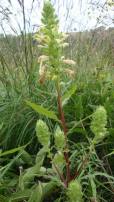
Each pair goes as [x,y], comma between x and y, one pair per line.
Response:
[51,43]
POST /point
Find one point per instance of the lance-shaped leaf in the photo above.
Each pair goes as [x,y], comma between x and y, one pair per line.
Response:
[42,110]
[11,151]
[69,93]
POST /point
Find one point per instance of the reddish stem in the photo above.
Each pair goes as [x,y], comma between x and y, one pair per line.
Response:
[63,123]
[60,175]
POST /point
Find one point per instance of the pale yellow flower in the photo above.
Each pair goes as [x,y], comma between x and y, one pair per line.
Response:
[43,58]
[69,62]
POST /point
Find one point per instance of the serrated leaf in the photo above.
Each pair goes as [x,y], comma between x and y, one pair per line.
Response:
[68,94]
[42,110]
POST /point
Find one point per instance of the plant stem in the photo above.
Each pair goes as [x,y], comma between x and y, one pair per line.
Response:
[60,175]
[63,123]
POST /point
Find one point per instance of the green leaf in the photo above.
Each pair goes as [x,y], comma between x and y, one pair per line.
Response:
[1,126]
[49,188]
[93,186]
[20,195]
[41,155]
[7,167]
[36,195]
[42,110]
[12,151]
[26,157]
[68,94]
[28,175]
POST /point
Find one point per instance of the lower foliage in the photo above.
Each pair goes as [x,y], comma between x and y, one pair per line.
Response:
[42,177]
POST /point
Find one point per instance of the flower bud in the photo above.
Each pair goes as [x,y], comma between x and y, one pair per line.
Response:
[59,139]
[74,192]
[59,159]
[42,132]
[98,124]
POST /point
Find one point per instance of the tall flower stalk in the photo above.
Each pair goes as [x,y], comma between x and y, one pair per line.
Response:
[52,64]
